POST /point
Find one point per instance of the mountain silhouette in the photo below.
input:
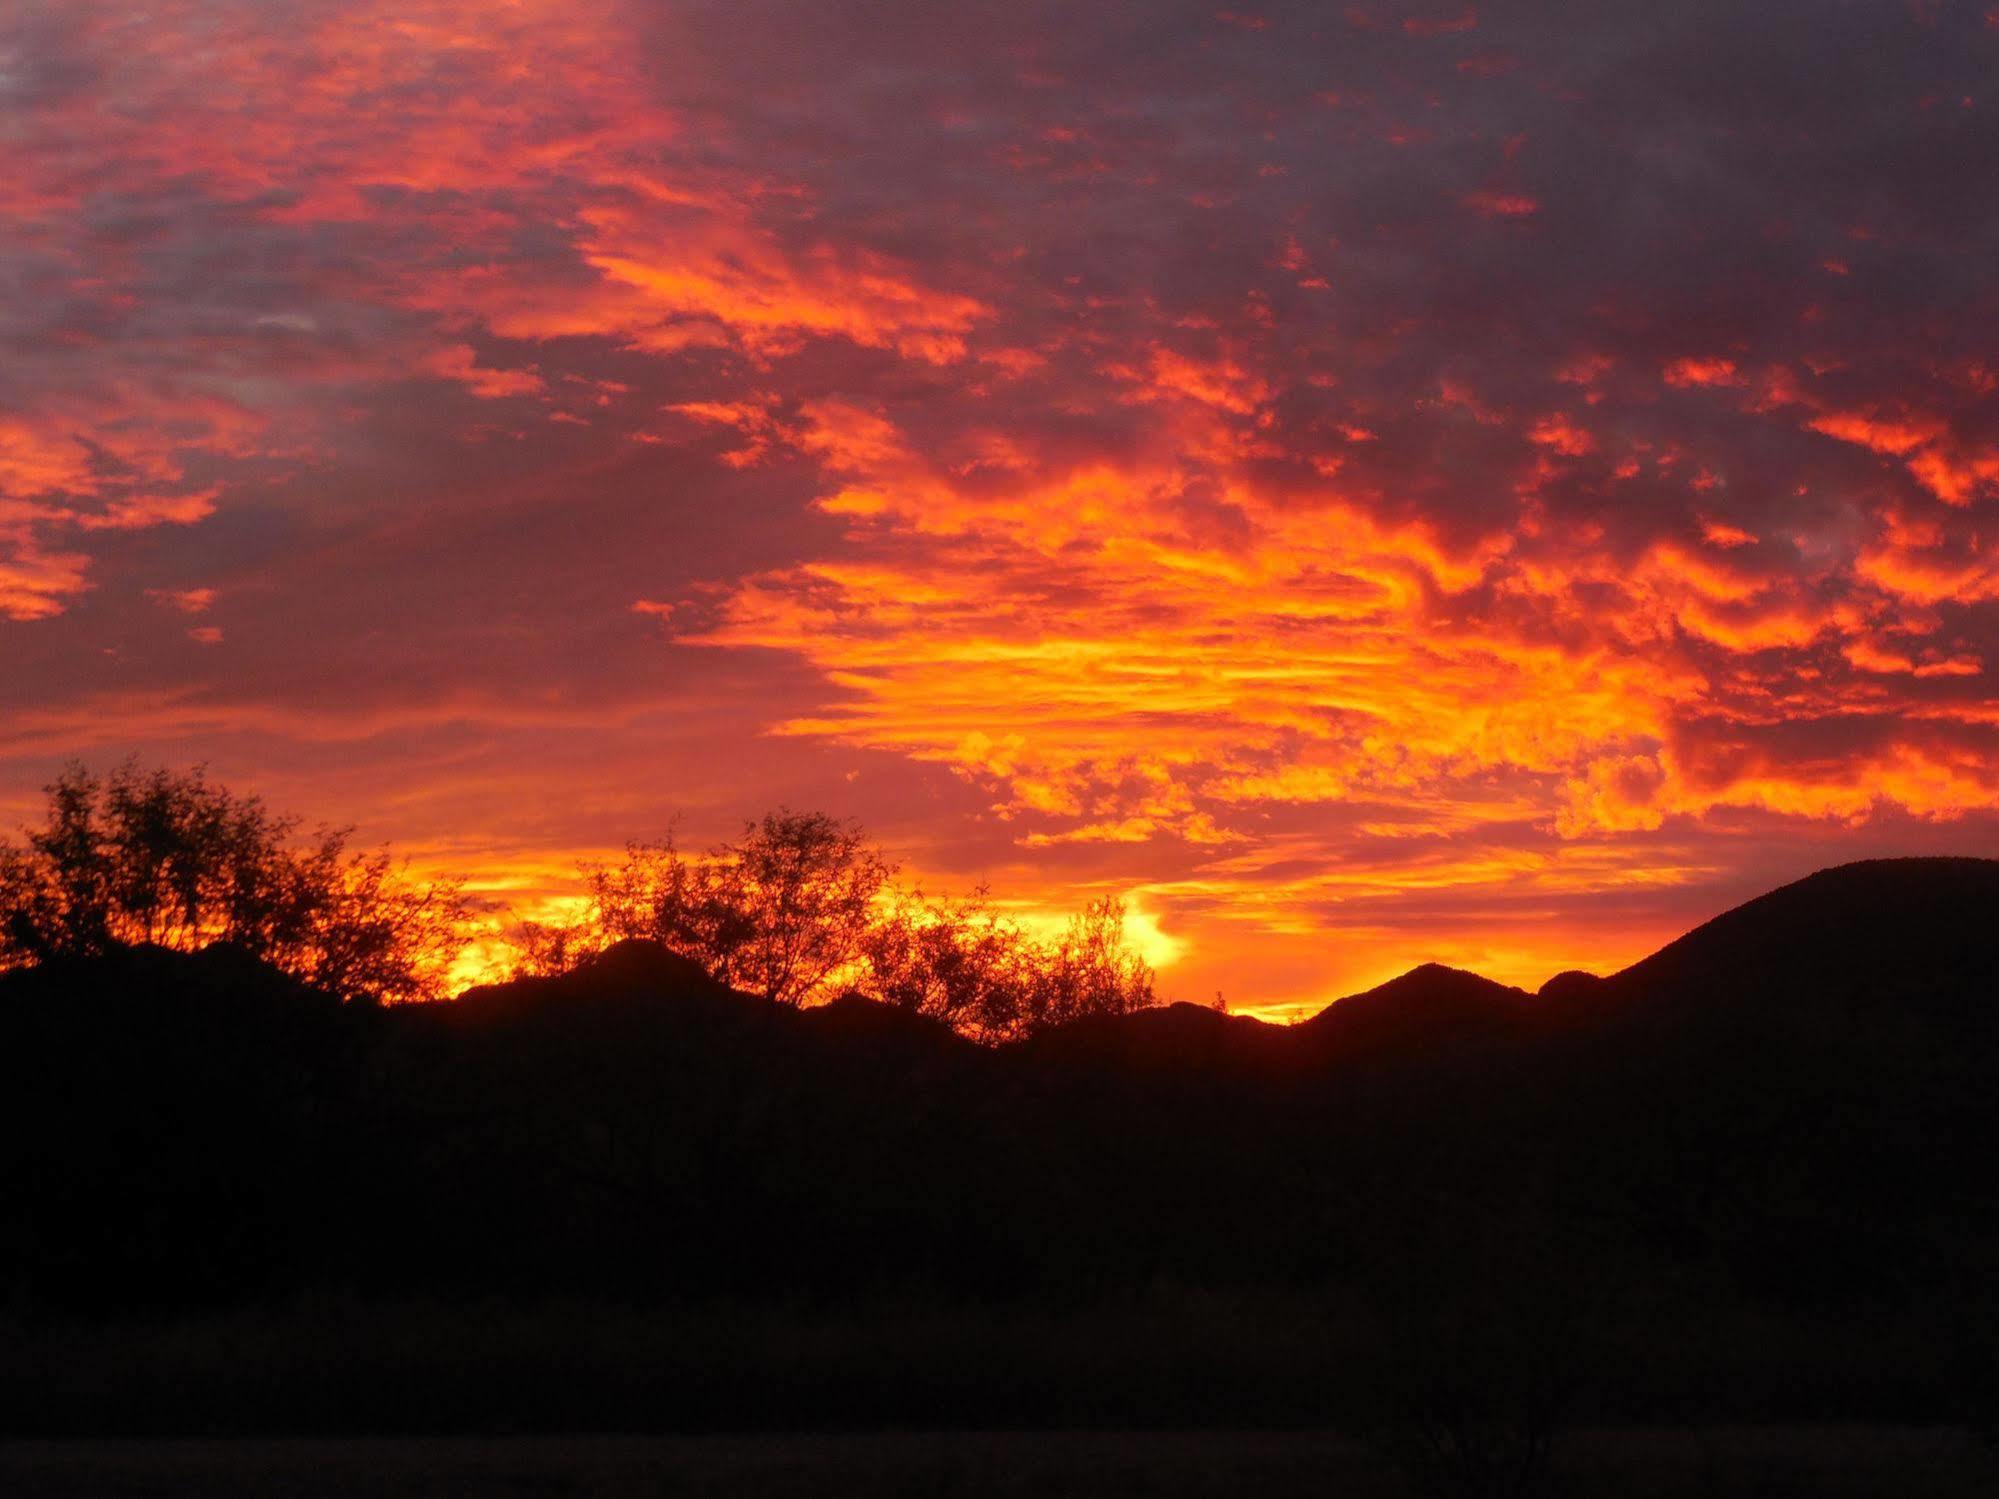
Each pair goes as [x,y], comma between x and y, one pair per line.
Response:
[1883,933]
[1787,1112]
[1429,1010]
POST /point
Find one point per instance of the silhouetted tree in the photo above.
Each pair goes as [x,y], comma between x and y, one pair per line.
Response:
[171,859]
[956,961]
[803,905]
[962,963]
[782,912]
[1091,971]
[543,949]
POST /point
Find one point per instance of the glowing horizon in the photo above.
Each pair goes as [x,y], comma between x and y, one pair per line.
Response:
[1371,486]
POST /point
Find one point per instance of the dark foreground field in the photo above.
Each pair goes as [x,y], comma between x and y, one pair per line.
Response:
[1737,1198]
[1710,1464]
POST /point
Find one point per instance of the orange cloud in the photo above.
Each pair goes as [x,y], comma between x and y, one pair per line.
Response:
[1690,371]
[1894,436]
[1722,534]
[1563,436]
[1322,660]
[1956,478]
[1195,509]
[456,362]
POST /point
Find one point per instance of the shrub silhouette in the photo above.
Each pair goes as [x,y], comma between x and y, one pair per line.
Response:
[170,859]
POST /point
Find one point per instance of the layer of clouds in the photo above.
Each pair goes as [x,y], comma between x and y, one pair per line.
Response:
[1480,483]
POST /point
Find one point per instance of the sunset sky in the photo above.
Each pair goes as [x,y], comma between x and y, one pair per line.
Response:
[1370,483]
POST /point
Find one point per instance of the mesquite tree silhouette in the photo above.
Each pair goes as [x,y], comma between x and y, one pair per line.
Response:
[170,859]
[802,907]
[780,912]
[961,962]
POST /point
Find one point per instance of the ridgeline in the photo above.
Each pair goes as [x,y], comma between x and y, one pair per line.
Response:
[1748,1177]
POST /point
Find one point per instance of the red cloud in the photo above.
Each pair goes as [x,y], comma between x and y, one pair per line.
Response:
[1359,589]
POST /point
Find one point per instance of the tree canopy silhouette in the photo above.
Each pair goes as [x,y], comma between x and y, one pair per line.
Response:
[958,961]
[170,859]
[800,907]
[803,906]
[780,912]
[961,962]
